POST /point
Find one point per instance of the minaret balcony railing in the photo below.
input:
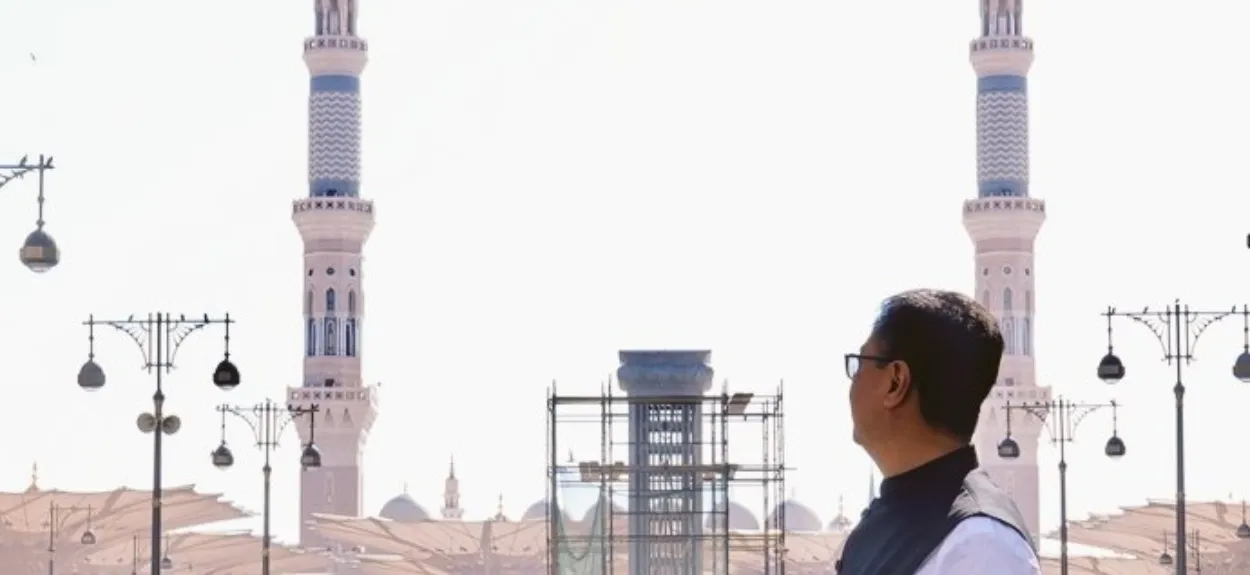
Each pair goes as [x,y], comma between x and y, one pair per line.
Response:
[310,395]
[315,394]
[1004,204]
[332,204]
[335,42]
[1018,394]
[1005,43]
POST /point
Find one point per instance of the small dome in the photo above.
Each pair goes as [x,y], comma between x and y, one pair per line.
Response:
[404,509]
[595,512]
[536,511]
[840,524]
[740,518]
[798,517]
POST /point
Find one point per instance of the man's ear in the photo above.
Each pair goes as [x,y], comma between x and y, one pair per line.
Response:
[900,385]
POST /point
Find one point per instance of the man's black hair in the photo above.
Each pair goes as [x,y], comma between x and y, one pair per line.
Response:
[953,347]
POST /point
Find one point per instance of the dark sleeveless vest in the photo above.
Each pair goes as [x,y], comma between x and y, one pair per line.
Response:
[918,509]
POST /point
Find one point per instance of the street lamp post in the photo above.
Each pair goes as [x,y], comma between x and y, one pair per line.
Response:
[56,522]
[1178,329]
[159,337]
[39,252]
[1061,417]
[166,563]
[267,421]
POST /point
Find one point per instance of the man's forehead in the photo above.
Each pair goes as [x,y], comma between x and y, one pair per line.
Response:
[871,346]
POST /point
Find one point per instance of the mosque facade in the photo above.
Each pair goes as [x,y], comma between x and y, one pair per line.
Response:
[335,221]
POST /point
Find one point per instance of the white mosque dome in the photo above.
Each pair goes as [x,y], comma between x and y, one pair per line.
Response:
[538,511]
[798,517]
[740,518]
[594,511]
[403,509]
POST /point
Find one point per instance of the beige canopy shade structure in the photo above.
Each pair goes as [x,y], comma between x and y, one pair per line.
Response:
[1139,532]
[29,519]
[210,554]
[452,547]
[441,547]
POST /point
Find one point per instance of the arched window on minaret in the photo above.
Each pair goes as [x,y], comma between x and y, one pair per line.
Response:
[310,343]
[1003,22]
[1008,324]
[312,337]
[985,299]
[351,17]
[1026,325]
[331,335]
[985,17]
[333,18]
[319,10]
[349,327]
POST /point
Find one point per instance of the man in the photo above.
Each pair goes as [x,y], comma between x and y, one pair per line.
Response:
[917,386]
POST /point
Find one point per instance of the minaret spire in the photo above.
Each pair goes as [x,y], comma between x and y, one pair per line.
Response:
[451,493]
[1002,18]
[1003,222]
[334,223]
[499,516]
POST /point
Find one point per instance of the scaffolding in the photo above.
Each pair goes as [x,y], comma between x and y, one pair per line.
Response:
[677,502]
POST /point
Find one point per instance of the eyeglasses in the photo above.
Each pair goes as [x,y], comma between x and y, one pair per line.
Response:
[854,361]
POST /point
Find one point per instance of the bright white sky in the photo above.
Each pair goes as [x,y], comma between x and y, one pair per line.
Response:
[557,179]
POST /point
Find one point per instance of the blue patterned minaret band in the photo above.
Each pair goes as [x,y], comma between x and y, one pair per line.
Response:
[334,102]
[1002,100]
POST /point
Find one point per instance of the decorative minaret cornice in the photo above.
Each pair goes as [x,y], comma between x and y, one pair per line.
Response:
[451,494]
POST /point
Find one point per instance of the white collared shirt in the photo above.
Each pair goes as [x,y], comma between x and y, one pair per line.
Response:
[982,545]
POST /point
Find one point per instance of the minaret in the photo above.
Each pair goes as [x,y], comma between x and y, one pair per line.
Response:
[499,516]
[1003,221]
[334,223]
[451,494]
[665,390]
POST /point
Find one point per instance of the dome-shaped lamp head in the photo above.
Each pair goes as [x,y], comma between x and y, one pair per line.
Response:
[90,376]
[223,458]
[1241,367]
[88,537]
[39,253]
[167,563]
[1008,448]
[1243,531]
[1115,448]
[226,376]
[311,457]
[1110,369]
[1165,559]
